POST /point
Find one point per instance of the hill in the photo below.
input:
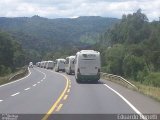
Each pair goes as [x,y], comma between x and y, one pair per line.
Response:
[43,34]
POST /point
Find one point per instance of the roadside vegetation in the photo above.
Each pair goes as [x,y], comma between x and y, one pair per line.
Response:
[12,58]
[11,54]
[17,74]
[131,49]
[151,91]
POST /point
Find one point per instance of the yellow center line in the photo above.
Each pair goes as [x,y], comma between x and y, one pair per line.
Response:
[59,107]
[58,100]
[68,90]
[65,97]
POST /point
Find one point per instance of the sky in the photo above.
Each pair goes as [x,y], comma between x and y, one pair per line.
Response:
[75,8]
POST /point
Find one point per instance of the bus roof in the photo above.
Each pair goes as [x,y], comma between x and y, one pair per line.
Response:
[60,59]
[88,51]
[71,56]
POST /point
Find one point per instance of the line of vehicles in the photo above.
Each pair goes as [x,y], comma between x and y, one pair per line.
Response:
[85,65]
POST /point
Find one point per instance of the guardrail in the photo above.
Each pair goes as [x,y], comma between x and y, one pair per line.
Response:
[119,78]
[19,74]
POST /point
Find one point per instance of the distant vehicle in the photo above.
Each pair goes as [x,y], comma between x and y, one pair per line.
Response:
[60,65]
[38,64]
[69,65]
[49,64]
[43,64]
[30,64]
[87,66]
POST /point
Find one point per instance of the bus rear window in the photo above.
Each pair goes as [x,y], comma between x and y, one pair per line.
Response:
[88,59]
[88,55]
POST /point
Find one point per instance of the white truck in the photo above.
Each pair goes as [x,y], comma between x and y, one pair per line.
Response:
[60,65]
[69,65]
[87,66]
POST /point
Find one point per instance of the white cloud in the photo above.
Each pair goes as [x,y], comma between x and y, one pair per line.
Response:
[72,8]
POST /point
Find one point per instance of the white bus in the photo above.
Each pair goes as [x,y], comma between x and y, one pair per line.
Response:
[69,65]
[38,64]
[49,64]
[60,65]
[45,64]
[87,66]
[42,64]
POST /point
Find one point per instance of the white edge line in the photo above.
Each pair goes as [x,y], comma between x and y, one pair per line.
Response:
[18,79]
[125,100]
[27,88]
[1,100]
[42,73]
[15,94]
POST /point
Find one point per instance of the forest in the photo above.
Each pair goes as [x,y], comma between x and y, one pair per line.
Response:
[131,49]
[12,54]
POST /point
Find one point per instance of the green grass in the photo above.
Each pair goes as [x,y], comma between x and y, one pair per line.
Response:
[21,73]
[148,90]
[151,91]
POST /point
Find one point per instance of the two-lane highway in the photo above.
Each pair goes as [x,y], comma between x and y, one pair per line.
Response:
[45,92]
[32,95]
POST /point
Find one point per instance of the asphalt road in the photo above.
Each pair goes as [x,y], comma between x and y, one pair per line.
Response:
[45,94]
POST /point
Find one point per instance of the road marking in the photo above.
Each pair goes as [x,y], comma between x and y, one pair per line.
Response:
[38,82]
[27,88]
[1,100]
[68,90]
[17,80]
[15,94]
[125,100]
[42,73]
[34,85]
[41,80]
[65,97]
[69,86]
[59,107]
[58,100]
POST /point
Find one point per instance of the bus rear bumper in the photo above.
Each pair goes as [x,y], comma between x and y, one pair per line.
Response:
[88,77]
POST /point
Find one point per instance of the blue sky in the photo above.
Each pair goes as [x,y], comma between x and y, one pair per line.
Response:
[75,8]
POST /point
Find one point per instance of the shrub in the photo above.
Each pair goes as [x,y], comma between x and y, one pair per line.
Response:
[153,79]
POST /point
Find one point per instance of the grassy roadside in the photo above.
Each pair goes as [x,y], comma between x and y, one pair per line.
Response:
[153,92]
[14,76]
